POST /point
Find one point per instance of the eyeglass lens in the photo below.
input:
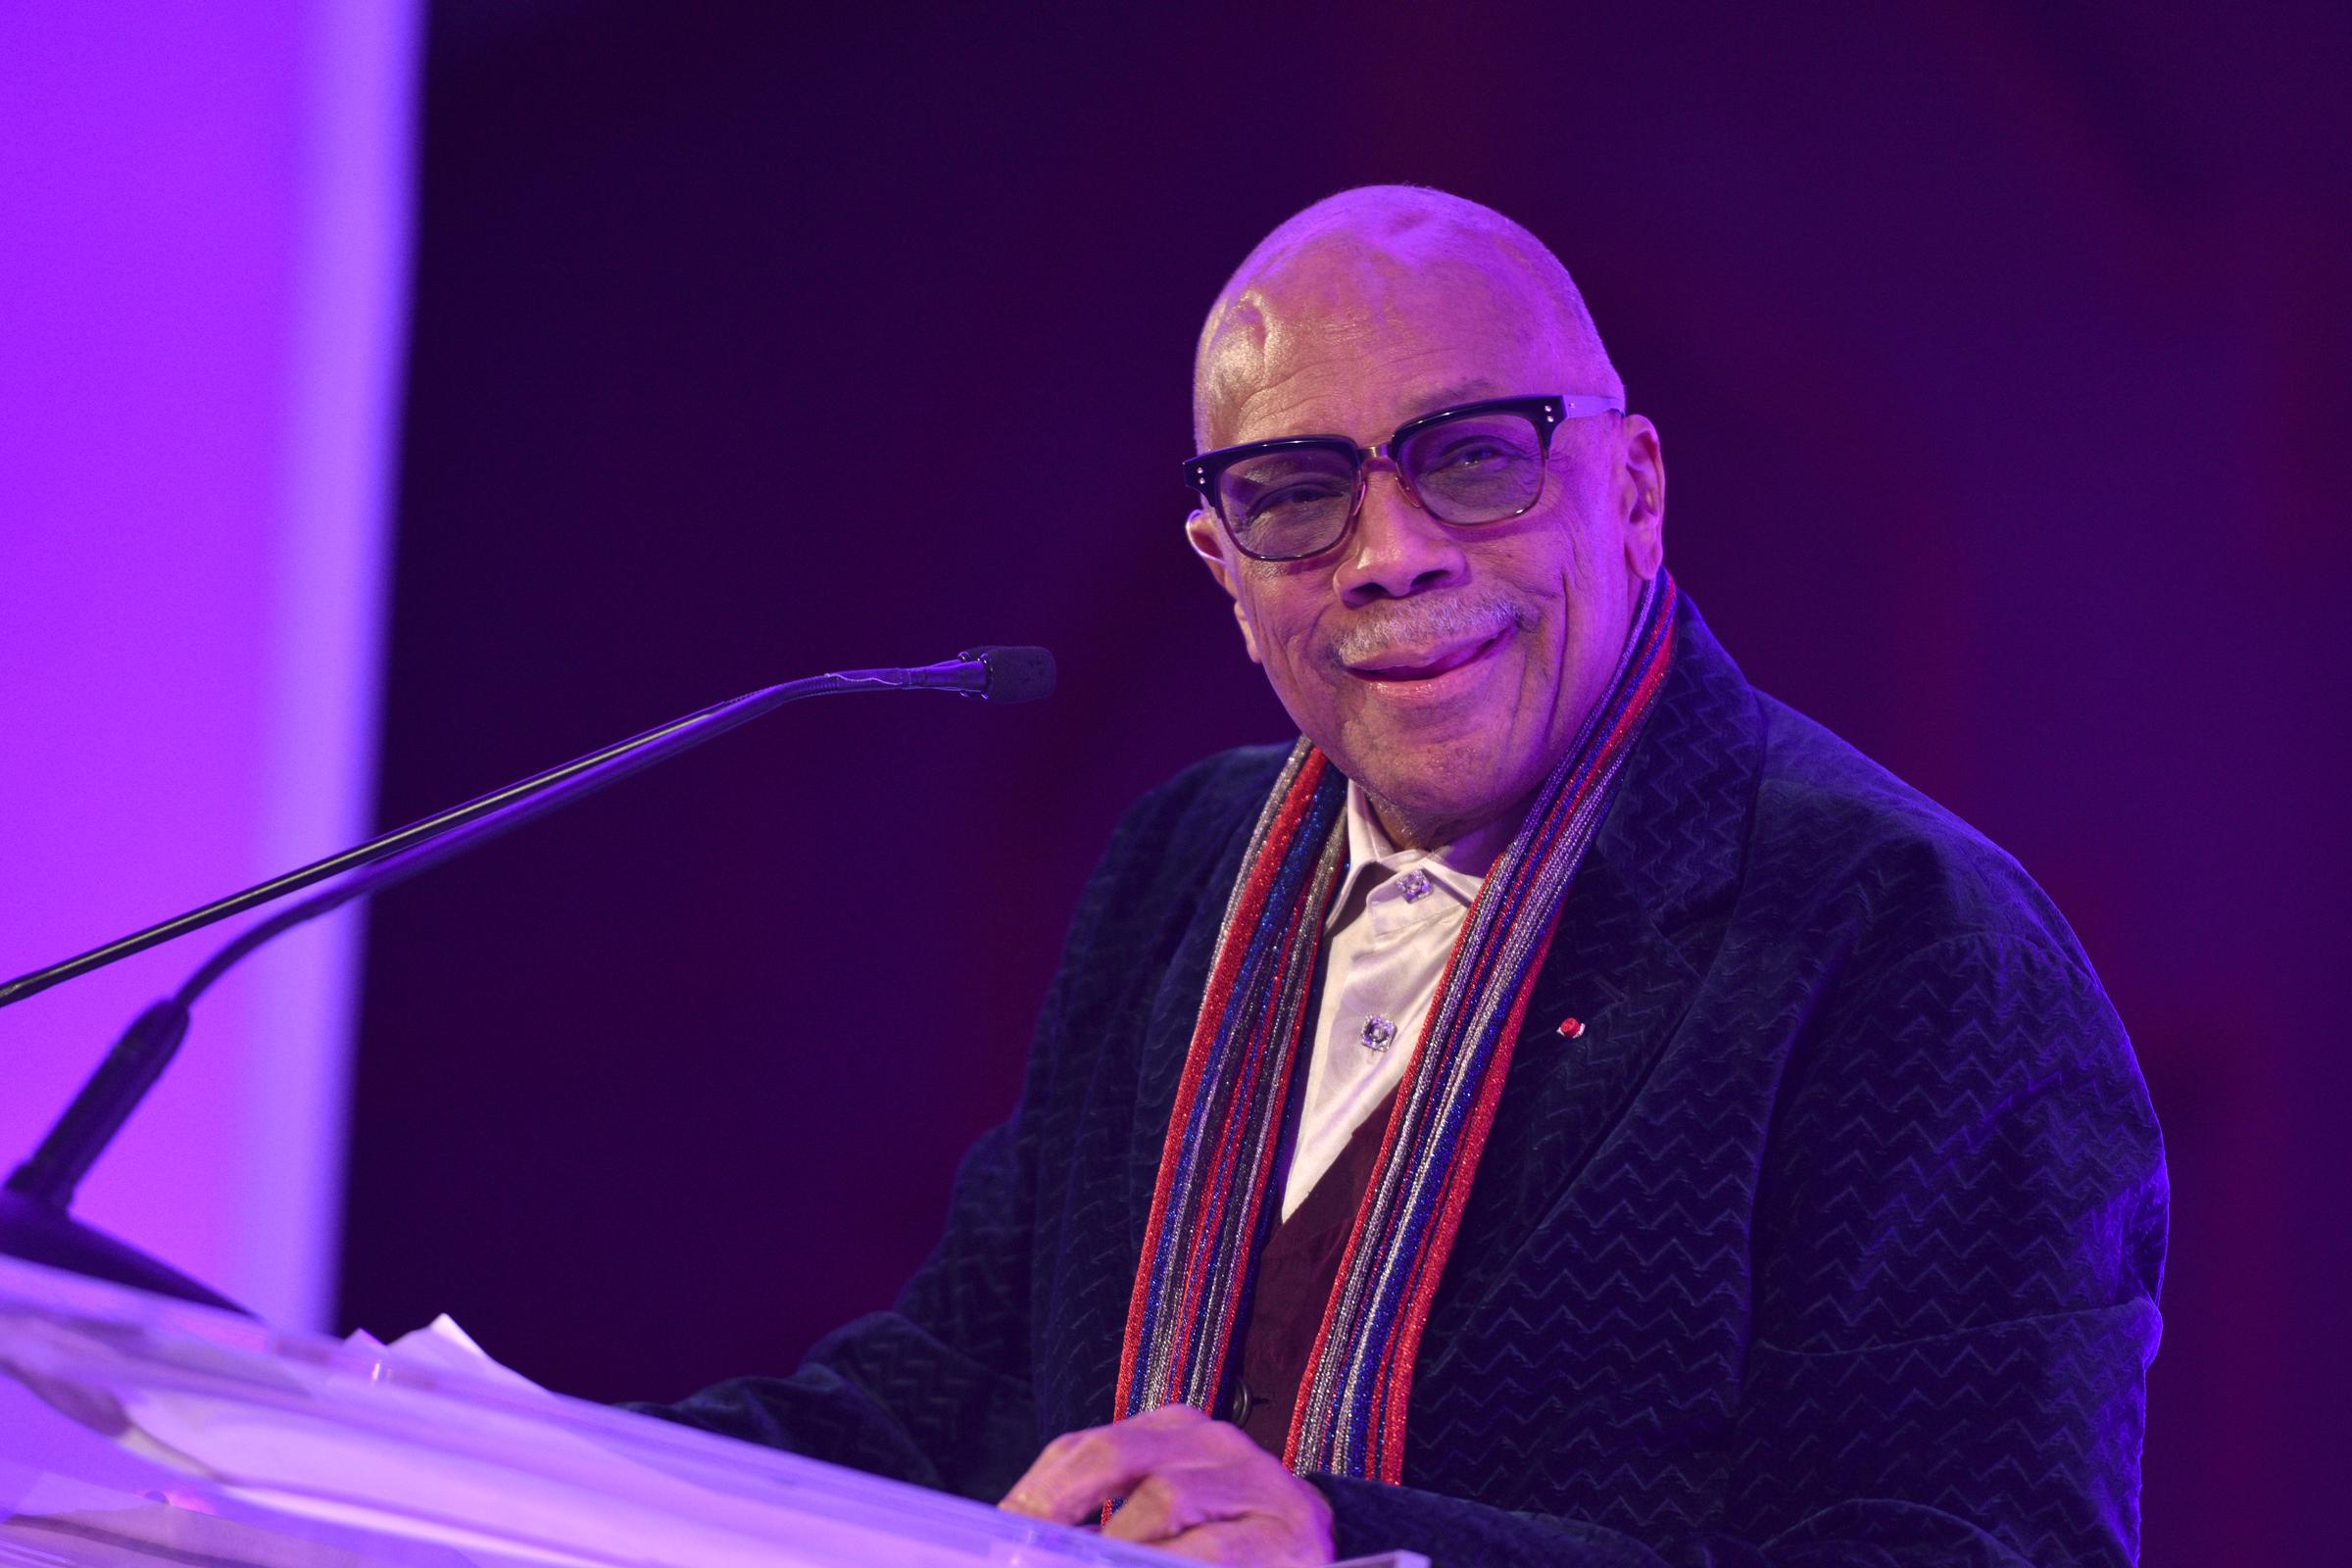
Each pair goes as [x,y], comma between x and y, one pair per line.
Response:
[1296,502]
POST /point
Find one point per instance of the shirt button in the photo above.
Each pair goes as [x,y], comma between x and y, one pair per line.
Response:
[1414,885]
[1378,1032]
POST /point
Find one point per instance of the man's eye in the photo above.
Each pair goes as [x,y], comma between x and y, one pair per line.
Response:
[1479,454]
[1294,498]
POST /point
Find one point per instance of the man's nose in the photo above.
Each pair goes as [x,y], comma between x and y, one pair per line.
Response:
[1397,548]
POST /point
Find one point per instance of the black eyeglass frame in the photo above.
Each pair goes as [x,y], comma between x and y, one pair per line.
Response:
[1545,413]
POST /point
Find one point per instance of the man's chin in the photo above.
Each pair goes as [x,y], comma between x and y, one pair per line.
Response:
[1435,807]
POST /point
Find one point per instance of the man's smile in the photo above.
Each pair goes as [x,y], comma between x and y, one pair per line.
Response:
[1424,665]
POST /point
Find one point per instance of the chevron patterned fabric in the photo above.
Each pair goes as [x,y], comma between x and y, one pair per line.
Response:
[1834,1238]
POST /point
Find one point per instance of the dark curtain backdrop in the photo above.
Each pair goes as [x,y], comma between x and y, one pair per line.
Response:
[1999,356]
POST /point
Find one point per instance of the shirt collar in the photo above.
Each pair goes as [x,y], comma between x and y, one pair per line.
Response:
[1457,869]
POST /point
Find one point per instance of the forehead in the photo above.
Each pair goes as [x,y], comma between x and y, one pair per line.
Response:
[1354,341]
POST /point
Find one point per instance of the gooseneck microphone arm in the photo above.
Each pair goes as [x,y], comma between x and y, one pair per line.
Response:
[999,674]
[35,1222]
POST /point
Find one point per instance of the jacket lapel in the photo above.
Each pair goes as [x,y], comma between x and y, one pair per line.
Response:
[1615,972]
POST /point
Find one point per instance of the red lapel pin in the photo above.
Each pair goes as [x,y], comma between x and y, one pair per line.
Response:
[1571,1028]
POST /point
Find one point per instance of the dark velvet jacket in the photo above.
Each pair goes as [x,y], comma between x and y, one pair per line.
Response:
[1834,1238]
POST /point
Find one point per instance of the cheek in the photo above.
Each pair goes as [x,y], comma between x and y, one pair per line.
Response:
[1581,560]
[1283,634]
[1591,566]
[1579,520]
[1276,621]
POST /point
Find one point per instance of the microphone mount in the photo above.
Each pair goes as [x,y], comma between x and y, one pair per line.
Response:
[34,1219]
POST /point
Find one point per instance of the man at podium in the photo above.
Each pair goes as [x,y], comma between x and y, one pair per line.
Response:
[1568,1108]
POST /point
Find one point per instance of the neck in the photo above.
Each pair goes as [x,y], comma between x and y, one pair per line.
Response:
[1468,843]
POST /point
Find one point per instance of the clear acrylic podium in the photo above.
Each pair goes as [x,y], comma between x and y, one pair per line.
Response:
[136,1430]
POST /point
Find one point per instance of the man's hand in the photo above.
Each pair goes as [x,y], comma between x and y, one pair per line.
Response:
[1194,1487]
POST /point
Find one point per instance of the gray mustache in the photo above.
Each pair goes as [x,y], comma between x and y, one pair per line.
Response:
[1417,623]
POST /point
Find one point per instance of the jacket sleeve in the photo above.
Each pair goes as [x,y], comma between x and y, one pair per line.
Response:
[1959,1238]
[939,1390]
[933,1391]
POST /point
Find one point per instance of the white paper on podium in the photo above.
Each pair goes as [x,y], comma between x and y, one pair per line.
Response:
[443,1344]
[428,1455]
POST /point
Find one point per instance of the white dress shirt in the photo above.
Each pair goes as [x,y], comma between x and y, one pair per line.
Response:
[1391,931]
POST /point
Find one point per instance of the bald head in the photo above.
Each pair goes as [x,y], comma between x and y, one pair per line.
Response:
[1354,264]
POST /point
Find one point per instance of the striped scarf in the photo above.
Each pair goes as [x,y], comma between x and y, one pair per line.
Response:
[1218,1165]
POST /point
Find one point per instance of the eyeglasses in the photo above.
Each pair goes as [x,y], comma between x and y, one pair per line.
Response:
[1480,463]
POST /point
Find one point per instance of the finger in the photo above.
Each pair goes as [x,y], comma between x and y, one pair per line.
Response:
[1178,1414]
[1080,1471]
[1168,1502]
[1024,1496]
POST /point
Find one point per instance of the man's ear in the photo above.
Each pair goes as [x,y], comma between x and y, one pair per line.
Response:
[1202,532]
[1642,497]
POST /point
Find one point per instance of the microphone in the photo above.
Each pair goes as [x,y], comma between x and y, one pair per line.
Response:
[1013,674]
[35,1222]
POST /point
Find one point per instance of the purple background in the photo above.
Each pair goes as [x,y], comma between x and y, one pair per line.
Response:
[1999,356]
[202,271]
